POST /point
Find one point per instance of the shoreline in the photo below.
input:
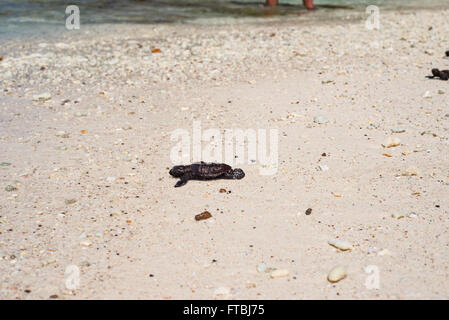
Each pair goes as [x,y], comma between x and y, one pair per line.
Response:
[346,16]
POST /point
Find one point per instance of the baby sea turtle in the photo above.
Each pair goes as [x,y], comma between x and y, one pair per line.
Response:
[204,171]
[442,74]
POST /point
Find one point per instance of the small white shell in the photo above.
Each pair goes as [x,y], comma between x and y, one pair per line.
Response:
[279,273]
[340,244]
[391,142]
[411,171]
[398,215]
[336,274]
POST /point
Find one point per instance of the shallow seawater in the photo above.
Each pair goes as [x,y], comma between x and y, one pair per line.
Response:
[31,17]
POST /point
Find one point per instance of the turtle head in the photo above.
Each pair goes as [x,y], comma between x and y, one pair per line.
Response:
[435,72]
[177,171]
[238,174]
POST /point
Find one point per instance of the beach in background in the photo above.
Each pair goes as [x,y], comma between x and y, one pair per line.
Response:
[88,209]
[47,17]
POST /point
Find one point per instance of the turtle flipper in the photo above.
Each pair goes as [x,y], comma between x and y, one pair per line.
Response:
[182,181]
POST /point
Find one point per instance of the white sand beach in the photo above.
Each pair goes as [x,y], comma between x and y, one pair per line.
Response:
[85,124]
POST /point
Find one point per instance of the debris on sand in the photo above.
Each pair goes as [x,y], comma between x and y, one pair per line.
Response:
[279,273]
[410,172]
[340,244]
[10,188]
[42,97]
[391,142]
[308,211]
[398,215]
[336,274]
[320,119]
[203,216]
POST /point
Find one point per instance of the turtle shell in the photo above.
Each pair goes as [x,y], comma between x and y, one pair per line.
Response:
[210,170]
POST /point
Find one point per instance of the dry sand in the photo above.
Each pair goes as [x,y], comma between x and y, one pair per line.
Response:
[132,235]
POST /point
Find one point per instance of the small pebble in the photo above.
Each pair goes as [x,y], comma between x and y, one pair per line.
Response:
[391,142]
[261,267]
[70,201]
[323,167]
[308,211]
[398,215]
[62,134]
[85,243]
[340,244]
[5,164]
[250,285]
[222,291]
[203,216]
[336,274]
[280,273]
[10,188]
[320,119]
[42,97]
[384,252]
[411,171]
[397,130]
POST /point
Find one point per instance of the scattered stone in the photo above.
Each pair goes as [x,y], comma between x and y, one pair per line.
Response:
[250,285]
[398,215]
[5,164]
[308,211]
[85,243]
[62,134]
[441,91]
[10,188]
[336,194]
[42,97]
[340,244]
[70,201]
[280,273]
[397,130]
[427,95]
[54,296]
[85,263]
[384,252]
[320,119]
[411,171]
[336,274]
[323,167]
[222,291]
[391,142]
[222,190]
[203,216]
[261,267]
